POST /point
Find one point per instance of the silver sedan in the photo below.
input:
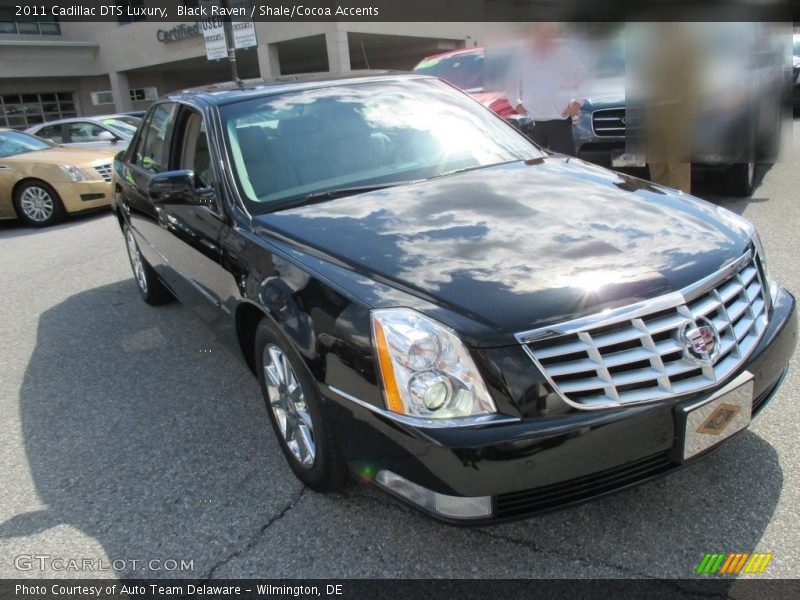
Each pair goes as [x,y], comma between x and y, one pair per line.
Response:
[107,131]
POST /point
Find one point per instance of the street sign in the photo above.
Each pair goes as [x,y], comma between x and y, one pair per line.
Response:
[214,36]
[244,34]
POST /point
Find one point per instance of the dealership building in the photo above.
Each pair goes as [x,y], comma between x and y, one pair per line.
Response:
[51,70]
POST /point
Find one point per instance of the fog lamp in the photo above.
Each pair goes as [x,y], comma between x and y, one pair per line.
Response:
[455,507]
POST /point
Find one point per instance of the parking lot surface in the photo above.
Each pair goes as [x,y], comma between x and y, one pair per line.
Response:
[132,437]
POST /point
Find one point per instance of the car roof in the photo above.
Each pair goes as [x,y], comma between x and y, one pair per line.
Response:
[94,118]
[459,52]
[230,91]
[451,53]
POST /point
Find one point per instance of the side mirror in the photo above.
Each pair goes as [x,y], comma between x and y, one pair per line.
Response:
[107,136]
[174,187]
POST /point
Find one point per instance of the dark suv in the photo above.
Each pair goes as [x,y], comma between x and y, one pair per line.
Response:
[483,329]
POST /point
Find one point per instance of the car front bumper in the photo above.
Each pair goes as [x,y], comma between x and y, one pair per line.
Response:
[84,195]
[534,465]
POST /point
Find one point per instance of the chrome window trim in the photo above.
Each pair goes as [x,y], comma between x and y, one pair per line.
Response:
[473,421]
[640,309]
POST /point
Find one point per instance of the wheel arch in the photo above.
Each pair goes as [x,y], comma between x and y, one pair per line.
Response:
[31,179]
[247,318]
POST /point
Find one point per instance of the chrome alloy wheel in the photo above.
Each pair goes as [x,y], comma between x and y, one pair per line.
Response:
[136,261]
[287,402]
[37,204]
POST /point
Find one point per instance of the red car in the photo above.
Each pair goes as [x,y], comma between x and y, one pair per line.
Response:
[469,70]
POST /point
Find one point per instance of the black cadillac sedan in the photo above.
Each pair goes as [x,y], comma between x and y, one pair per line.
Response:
[433,303]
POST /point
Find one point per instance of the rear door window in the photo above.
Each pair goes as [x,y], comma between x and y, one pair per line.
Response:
[51,132]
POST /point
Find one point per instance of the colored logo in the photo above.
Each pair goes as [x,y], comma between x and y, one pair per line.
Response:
[700,341]
[734,563]
[719,419]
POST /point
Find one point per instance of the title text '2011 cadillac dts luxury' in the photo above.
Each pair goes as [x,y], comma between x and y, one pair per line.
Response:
[483,329]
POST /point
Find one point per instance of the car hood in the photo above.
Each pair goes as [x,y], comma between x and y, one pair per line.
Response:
[518,246]
[64,155]
[607,91]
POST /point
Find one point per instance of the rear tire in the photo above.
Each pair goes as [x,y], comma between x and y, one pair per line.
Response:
[38,204]
[295,411]
[769,148]
[151,288]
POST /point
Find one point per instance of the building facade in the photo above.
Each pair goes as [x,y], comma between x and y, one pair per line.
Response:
[51,70]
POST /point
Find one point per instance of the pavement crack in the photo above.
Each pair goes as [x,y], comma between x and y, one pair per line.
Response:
[559,553]
[256,537]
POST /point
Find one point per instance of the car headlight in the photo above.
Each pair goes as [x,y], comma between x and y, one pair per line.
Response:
[76,173]
[742,224]
[426,370]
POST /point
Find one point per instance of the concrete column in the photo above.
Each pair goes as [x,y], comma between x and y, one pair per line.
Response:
[338,51]
[121,90]
[268,63]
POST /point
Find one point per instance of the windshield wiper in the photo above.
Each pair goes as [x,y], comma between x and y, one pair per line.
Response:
[332,194]
[477,167]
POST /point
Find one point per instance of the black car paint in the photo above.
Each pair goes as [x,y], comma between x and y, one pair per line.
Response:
[506,245]
[317,271]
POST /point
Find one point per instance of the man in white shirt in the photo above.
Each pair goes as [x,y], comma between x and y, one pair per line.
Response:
[548,84]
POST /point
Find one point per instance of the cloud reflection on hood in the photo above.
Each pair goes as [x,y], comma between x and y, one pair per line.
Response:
[522,231]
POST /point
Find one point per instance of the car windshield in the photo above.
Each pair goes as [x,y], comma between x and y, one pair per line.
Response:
[122,125]
[465,71]
[16,142]
[302,144]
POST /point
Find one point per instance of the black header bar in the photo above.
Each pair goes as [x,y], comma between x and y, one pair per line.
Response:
[289,11]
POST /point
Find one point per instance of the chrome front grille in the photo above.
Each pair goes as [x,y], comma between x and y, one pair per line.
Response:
[104,170]
[636,354]
[609,122]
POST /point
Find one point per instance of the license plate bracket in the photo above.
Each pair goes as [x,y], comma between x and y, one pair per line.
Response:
[706,423]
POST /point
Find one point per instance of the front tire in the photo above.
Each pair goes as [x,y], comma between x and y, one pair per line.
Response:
[38,204]
[294,409]
[147,282]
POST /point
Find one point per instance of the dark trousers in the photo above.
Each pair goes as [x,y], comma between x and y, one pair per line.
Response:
[555,135]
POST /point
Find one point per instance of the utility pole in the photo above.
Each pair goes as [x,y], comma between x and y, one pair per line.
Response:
[229,41]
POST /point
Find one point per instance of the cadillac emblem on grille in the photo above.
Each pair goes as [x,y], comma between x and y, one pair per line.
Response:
[700,341]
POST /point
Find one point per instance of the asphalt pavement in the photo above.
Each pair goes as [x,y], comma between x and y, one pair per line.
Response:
[130,434]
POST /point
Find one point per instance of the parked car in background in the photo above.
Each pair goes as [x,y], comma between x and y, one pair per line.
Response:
[40,181]
[108,131]
[134,113]
[481,75]
[481,328]
[738,115]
